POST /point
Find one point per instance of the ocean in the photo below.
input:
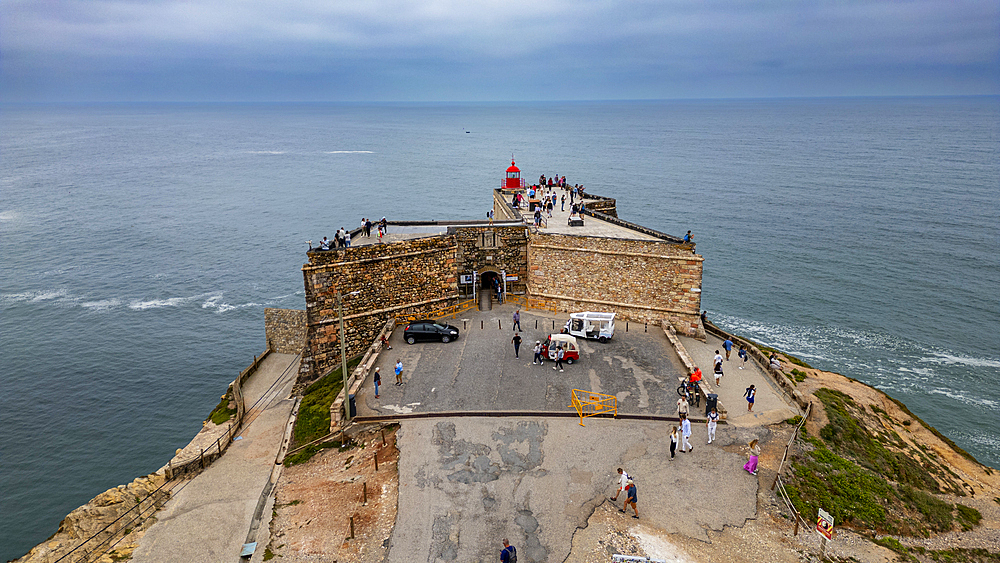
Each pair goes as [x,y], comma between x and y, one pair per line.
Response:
[141,243]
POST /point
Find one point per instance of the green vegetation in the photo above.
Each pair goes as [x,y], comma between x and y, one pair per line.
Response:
[221,413]
[935,431]
[794,420]
[791,358]
[799,375]
[313,421]
[268,554]
[958,555]
[968,517]
[857,475]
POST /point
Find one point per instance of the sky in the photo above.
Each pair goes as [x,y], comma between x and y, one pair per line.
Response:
[490,50]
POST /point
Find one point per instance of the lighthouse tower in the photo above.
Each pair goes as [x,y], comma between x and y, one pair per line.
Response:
[513,179]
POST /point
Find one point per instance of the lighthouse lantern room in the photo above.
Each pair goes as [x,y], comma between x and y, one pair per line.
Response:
[513,179]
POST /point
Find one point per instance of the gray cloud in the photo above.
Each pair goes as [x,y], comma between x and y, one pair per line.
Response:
[515,49]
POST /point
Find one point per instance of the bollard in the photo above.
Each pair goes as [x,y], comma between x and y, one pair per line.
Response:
[376,460]
[626,326]
[645,327]
[364,492]
[498,324]
[536,324]
[480,325]
[553,326]
[463,325]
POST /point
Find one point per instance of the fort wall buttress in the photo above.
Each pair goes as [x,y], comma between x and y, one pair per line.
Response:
[496,248]
[641,280]
[412,276]
[285,330]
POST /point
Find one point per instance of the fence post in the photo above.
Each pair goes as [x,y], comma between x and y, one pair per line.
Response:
[376,460]
[364,492]
[203,458]
[352,528]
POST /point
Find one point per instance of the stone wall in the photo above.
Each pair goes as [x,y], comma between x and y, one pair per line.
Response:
[496,248]
[285,330]
[600,204]
[641,280]
[502,210]
[412,276]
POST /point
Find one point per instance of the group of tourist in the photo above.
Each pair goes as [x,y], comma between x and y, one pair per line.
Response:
[342,238]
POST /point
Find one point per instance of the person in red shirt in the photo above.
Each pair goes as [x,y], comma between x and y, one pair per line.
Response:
[696,376]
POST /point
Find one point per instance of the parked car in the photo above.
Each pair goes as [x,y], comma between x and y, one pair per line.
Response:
[429,330]
[592,325]
[571,352]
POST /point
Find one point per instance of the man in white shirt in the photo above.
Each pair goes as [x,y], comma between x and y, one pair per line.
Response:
[622,482]
[686,434]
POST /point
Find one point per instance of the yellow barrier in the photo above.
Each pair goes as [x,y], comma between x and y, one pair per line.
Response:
[451,310]
[532,303]
[587,404]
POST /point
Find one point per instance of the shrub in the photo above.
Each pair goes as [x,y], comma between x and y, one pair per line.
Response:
[968,517]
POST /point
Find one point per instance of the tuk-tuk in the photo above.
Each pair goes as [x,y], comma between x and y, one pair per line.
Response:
[571,352]
[592,325]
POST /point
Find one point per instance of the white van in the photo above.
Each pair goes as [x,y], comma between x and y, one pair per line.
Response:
[592,325]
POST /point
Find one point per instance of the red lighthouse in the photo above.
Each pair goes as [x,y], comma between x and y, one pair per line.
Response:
[513,179]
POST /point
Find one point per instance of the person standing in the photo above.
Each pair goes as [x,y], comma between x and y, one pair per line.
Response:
[728,345]
[347,239]
[749,394]
[562,207]
[623,479]
[399,372]
[508,554]
[686,434]
[377,378]
[538,353]
[751,465]
[713,420]
[682,406]
[674,438]
[517,320]
[560,353]
[517,345]
[743,356]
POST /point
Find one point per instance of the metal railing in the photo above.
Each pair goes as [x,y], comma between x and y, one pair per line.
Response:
[780,487]
[588,403]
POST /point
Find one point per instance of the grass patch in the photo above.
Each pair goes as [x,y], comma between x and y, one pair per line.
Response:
[933,430]
[799,375]
[794,420]
[791,358]
[313,421]
[268,554]
[956,555]
[937,513]
[968,517]
[307,453]
[222,413]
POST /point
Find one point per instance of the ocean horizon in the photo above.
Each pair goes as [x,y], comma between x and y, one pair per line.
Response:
[141,243]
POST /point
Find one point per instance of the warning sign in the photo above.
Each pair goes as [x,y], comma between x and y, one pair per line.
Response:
[824,524]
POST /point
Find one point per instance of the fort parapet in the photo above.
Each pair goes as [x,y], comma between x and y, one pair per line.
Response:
[608,264]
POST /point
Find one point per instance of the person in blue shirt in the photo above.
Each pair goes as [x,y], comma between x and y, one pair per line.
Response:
[687,237]
[508,554]
[728,345]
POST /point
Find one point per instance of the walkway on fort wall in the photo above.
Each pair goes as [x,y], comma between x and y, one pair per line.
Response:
[208,518]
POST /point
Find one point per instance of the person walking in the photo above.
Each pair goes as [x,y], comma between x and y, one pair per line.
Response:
[713,420]
[399,372]
[560,353]
[749,394]
[674,438]
[718,358]
[751,465]
[630,498]
[718,374]
[686,434]
[517,321]
[743,356]
[377,378]
[517,345]
[508,554]
[623,479]
[728,345]
[538,353]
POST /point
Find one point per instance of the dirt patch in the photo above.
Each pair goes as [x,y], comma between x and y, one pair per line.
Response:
[315,501]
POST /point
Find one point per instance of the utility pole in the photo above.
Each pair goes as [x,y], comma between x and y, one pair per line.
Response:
[343,361]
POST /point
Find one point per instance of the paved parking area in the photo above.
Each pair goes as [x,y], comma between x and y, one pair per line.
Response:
[480,372]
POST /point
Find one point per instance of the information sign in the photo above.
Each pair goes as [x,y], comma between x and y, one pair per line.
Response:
[824,524]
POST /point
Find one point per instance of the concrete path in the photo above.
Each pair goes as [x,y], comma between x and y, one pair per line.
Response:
[770,404]
[467,483]
[208,517]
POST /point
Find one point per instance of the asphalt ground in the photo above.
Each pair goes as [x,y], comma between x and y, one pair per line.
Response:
[479,371]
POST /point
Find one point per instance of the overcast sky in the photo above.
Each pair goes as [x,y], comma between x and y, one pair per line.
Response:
[480,50]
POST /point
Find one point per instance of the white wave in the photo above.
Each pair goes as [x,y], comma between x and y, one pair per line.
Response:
[215,302]
[963,398]
[267,152]
[280,297]
[945,358]
[159,303]
[9,216]
[16,297]
[101,305]
[49,295]
[349,152]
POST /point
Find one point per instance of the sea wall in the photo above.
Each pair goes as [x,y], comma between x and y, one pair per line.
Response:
[285,330]
[600,204]
[377,282]
[641,280]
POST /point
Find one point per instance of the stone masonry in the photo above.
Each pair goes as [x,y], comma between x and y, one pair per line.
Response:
[413,276]
[641,280]
[285,330]
[497,249]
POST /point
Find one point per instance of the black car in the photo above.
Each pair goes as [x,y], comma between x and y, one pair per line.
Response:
[429,330]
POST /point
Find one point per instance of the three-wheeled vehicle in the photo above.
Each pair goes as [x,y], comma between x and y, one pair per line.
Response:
[592,325]
[571,352]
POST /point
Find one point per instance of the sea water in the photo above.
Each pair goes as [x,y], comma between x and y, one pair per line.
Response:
[141,243]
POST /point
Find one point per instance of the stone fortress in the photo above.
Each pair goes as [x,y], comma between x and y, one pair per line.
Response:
[605,264]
